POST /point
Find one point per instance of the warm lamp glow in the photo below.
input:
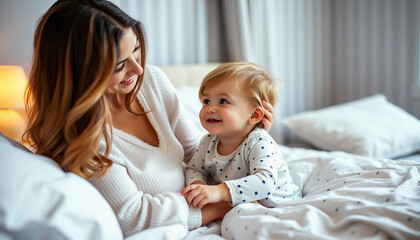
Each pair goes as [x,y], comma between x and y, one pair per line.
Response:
[12,124]
[13,82]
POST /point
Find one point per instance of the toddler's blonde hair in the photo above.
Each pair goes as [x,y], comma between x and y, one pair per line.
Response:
[252,79]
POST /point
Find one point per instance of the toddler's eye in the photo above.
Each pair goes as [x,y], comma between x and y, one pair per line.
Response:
[223,101]
[206,101]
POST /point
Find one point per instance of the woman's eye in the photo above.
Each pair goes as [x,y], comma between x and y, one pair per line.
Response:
[120,68]
[137,57]
[136,53]
[223,101]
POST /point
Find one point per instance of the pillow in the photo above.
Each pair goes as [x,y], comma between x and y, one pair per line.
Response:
[188,96]
[40,201]
[370,126]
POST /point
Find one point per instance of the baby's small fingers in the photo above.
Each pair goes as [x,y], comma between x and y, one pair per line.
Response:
[185,190]
[202,203]
[197,200]
[186,196]
[192,195]
[188,188]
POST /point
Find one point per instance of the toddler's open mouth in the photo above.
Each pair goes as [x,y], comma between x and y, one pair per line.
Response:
[212,120]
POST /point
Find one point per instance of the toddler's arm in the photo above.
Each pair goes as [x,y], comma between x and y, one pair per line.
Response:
[264,160]
[195,170]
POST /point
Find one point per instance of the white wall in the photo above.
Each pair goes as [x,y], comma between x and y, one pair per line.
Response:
[18,20]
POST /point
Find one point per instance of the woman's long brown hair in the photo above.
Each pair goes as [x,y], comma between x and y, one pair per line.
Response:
[76,46]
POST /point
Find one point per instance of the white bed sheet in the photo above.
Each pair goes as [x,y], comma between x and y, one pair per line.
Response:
[346,196]
[177,231]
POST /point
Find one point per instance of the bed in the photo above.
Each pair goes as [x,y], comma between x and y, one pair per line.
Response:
[357,165]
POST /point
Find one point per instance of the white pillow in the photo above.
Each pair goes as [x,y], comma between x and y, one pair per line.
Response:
[370,126]
[40,201]
[188,96]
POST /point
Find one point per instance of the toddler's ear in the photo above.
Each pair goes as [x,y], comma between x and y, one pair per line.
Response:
[256,116]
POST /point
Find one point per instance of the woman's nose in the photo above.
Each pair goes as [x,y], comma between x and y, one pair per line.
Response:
[136,67]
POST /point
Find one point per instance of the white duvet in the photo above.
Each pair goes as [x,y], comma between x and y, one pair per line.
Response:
[345,197]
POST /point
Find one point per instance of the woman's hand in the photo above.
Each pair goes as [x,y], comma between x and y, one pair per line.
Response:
[268,115]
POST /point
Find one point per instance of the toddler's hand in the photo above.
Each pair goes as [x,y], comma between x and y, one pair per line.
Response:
[199,195]
[185,191]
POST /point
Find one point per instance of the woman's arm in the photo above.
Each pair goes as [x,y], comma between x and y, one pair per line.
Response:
[136,210]
[213,211]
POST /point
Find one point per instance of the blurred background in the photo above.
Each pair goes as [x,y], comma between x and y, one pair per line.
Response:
[324,51]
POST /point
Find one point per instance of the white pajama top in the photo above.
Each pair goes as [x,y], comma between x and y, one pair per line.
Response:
[254,171]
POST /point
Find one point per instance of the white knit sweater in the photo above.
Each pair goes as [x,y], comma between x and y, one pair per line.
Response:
[144,181]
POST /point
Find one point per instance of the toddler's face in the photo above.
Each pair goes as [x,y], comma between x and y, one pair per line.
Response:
[226,110]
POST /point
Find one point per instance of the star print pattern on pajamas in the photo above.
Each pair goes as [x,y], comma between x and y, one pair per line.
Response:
[254,171]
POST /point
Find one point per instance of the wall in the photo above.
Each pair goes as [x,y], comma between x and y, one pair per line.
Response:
[375,45]
[18,20]
[334,51]
[179,31]
[331,51]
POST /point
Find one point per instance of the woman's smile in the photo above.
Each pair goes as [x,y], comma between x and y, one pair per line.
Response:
[129,81]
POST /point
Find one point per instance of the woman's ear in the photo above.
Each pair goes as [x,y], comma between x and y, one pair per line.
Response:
[256,116]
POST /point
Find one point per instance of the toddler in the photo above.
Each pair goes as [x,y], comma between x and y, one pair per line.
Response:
[238,160]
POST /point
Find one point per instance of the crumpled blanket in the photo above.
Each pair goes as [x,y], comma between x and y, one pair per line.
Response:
[345,196]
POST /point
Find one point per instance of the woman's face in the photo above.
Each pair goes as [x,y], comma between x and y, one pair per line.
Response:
[127,69]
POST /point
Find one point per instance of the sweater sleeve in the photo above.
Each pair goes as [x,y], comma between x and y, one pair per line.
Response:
[183,127]
[138,211]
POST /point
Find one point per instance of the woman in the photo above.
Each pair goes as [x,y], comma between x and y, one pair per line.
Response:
[89,87]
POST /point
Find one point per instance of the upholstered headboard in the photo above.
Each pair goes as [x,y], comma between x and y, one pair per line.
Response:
[188,75]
